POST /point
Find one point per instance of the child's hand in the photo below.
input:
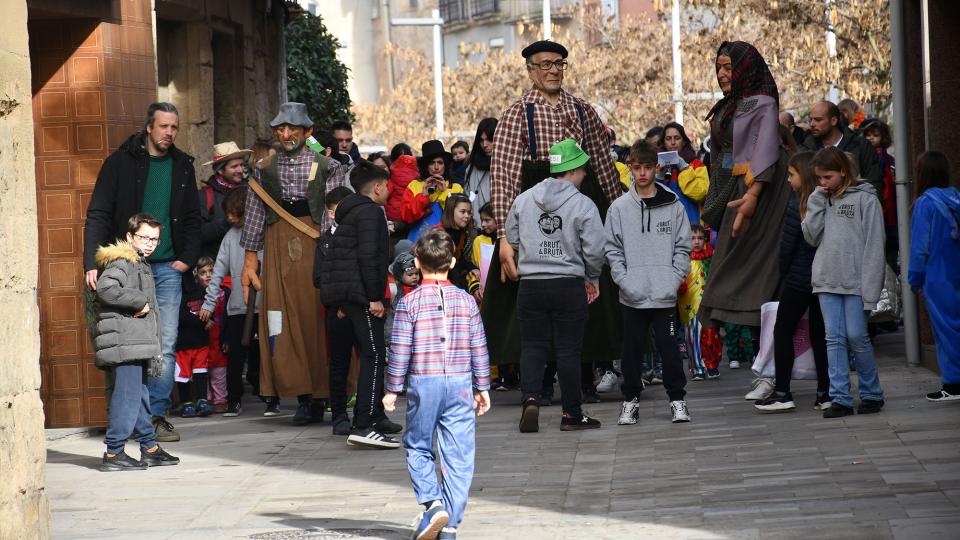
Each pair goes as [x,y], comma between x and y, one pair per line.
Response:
[389,402]
[341,314]
[481,402]
[204,315]
[377,310]
[593,291]
[143,312]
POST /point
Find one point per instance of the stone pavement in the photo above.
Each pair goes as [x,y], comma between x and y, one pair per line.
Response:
[731,473]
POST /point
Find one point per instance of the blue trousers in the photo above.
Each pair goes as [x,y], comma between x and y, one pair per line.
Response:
[129,412]
[846,327]
[441,406]
[168,283]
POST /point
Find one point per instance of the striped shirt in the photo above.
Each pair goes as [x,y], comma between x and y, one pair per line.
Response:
[437,331]
[293,173]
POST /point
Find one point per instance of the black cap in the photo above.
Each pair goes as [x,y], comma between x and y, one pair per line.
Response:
[544,46]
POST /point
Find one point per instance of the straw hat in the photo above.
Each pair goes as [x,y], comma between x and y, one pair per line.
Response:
[226,151]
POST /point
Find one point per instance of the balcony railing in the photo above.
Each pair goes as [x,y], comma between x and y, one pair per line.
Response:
[452,11]
[484,7]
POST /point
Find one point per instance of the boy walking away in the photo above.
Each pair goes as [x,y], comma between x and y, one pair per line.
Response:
[440,350]
[353,277]
[226,272]
[560,238]
[648,248]
[703,344]
[194,348]
[126,338]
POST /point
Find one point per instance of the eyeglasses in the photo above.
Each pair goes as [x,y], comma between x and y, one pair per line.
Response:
[148,239]
[546,65]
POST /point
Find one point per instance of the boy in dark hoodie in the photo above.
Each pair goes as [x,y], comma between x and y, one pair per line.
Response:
[352,275]
[560,238]
[648,249]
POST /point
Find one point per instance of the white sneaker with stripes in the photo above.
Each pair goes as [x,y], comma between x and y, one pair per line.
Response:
[371,438]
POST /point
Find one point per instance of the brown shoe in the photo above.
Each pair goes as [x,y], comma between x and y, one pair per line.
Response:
[220,408]
[529,418]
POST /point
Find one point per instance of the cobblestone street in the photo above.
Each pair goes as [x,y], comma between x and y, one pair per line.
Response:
[731,473]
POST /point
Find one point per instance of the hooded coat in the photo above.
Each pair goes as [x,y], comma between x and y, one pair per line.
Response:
[124,286]
[402,171]
[648,248]
[861,149]
[559,232]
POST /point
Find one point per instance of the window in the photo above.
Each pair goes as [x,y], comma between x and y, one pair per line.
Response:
[452,11]
[484,7]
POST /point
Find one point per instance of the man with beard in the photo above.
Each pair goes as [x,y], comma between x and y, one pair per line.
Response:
[149,174]
[828,128]
[545,115]
[292,341]
[227,176]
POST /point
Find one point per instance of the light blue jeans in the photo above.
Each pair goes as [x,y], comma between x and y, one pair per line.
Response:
[846,327]
[169,292]
[441,406]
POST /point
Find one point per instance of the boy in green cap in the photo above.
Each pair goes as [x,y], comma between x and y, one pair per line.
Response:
[558,235]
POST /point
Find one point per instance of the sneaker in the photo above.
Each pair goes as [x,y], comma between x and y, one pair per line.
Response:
[317,410]
[822,402]
[762,387]
[385,425]
[656,379]
[273,407]
[942,396]
[204,408]
[188,410]
[573,423]
[869,406]
[220,407]
[121,462]
[302,417]
[589,396]
[371,438]
[713,373]
[341,425]
[734,364]
[776,403]
[608,383]
[164,430]
[629,412]
[530,415]
[448,533]
[837,410]
[233,409]
[647,381]
[430,522]
[680,412]
[699,375]
[158,458]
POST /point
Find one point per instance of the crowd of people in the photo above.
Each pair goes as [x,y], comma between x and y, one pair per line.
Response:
[544,252]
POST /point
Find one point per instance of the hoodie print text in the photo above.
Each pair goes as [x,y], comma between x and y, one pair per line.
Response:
[551,226]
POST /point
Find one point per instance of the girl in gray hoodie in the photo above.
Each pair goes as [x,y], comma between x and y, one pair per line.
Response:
[845,219]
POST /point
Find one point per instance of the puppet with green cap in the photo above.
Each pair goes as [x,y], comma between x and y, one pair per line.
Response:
[558,236]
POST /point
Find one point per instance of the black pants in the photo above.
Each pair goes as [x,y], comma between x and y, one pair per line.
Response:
[369,334]
[552,314]
[237,355]
[793,304]
[636,328]
[586,377]
[340,343]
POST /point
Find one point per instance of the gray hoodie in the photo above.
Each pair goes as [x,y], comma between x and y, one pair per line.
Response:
[559,232]
[849,233]
[229,263]
[648,248]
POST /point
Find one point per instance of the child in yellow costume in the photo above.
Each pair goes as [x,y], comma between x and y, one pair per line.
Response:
[704,347]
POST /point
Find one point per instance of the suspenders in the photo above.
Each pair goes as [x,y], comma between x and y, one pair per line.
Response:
[532,132]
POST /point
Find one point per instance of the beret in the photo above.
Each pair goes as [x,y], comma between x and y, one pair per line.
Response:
[544,46]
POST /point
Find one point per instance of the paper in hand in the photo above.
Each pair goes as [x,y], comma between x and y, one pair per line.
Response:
[668,158]
[315,145]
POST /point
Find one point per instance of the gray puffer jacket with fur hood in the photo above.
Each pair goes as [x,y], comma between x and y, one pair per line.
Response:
[125,285]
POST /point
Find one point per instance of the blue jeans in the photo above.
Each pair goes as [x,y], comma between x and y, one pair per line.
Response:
[846,326]
[168,283]
[441,405]
[129,414]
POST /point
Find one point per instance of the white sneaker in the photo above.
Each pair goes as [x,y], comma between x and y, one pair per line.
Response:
[608,383]
[680,412]
[734,364]
[629,412]
[762,388]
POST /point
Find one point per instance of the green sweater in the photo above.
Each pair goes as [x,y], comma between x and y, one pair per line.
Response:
[156,201]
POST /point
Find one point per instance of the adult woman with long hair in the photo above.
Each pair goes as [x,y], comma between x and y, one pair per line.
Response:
[476,182]
[689,179]
[935,264]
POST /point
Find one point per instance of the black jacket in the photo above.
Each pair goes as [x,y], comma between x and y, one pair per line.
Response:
[351,264]
[870,169]
[213,220]
[796,255]
[118,194]
[190,329]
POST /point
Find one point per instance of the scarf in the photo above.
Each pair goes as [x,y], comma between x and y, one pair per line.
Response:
[227,187]
[751,77]
[703,254]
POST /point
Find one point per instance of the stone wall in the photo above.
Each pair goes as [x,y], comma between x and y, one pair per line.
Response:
[24,511]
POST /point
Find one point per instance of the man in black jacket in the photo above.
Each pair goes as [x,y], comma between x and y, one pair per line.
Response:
[149,174]
[353,279]
[828,128]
